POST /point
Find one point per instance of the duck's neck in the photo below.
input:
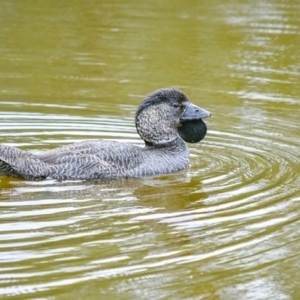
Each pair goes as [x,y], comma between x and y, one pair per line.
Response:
[176,145]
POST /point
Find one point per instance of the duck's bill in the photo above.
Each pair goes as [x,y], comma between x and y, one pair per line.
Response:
[194,112]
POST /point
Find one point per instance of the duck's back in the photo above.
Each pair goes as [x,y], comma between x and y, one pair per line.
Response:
[95,159]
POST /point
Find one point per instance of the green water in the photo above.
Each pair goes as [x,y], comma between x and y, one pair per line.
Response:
[229,227]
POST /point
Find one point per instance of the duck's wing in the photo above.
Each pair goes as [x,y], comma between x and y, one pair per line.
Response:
[54,157]
[91,160]
[72,166]
[107,151]
[59,155]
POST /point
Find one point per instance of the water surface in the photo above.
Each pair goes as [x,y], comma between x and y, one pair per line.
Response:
[226,229]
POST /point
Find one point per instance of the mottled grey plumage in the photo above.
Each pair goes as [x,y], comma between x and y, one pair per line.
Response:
[158,119]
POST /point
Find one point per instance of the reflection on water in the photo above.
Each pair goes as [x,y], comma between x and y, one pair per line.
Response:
[228,228]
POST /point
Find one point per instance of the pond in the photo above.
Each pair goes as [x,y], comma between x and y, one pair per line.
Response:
[229,227]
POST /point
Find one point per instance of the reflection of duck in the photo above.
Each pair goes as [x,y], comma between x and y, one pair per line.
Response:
[163,120]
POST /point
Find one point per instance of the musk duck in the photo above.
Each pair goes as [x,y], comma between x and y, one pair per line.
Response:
[165,120]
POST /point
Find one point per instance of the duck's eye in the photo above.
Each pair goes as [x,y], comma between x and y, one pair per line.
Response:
[175,105]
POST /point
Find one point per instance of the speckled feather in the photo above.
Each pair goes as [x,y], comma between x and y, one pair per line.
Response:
[157,122]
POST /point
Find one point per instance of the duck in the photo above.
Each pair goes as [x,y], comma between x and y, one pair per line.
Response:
[165,120]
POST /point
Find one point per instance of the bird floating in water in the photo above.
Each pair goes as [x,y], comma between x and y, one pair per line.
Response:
[164,120]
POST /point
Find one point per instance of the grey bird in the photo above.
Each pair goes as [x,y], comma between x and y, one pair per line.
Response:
[164,120]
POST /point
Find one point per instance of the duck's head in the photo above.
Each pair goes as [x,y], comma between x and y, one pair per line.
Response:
[166,113]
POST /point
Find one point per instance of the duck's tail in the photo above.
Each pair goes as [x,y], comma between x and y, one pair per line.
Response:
[8,170]
[18,163]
